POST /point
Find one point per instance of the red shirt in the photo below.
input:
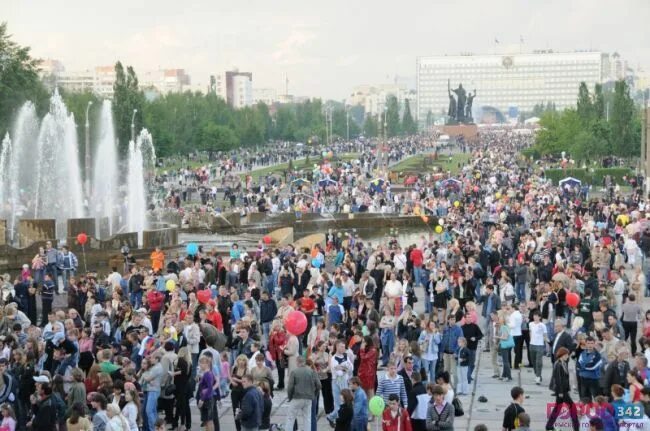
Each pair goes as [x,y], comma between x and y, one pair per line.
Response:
[401,422]
[417,257]
[155,300]
[307,305]
[215,318]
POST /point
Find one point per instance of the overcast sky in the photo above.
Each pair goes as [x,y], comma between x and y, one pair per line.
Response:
[325,47]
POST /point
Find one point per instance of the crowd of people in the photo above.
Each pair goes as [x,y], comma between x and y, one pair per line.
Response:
[393,328]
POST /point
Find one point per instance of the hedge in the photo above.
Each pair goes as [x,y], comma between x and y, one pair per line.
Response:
[594,178]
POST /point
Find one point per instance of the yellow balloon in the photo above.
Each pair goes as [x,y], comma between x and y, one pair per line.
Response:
[456,204]
[438,229]
[170,285]
[498,195]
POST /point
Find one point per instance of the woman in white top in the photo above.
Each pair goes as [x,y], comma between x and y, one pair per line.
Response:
[117,421]
[131,410]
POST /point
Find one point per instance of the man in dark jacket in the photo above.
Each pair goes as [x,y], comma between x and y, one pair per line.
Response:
[560,385]
[615,373]
[268,310]
[44,410]
[417,396]
[251,406]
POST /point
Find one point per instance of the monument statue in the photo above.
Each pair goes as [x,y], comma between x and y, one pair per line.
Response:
[460,103]
[451,112]
[468,108]
[460,107]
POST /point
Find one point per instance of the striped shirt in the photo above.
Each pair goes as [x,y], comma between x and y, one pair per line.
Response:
[388,386]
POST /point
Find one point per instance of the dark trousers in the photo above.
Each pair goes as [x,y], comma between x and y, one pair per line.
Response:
[236,397]
[328,398]
[565,399]
[278,365]
[519,346]
[526,336]
[630,332]
[47,308]
[155,320]
[419,424]
[590,388]
[183,414]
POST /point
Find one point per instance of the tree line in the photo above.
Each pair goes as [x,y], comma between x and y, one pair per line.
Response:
[603,123]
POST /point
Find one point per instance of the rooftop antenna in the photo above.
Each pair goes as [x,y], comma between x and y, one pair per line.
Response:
[286,84]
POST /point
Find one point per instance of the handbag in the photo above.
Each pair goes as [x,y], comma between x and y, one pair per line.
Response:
[508,343]
[458,407]
[170,389]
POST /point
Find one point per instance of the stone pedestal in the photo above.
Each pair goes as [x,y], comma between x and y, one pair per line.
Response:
[468,131]
[79,225]
[104,227]
[4,237]
[35,230]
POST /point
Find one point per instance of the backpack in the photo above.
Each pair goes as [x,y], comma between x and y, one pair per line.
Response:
[335,315]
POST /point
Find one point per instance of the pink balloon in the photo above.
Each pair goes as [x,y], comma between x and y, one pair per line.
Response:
[295,322]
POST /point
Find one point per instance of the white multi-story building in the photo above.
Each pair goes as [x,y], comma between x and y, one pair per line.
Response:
[99,80]
[373,97]
[166,80]
[235,87]
[267,96]
[518,81]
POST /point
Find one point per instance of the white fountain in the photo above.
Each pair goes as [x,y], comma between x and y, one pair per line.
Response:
[59,187]
[140,164]
[40,173]
[104,196]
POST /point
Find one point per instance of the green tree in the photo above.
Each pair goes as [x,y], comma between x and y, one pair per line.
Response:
[408,124]
[127,97]
[392,116]
[370,126]
[622,122]
[585,108]
[213,138]
[77,102]
[598,103]
[429,119]
[19,81]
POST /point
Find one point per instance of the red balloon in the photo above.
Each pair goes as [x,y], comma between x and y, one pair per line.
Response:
[204,296]
[572,299]
[82,238]
[295,322]
[266,239]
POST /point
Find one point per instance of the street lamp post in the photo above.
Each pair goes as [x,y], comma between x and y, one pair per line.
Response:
[135,111]
[347,123]
[87,146]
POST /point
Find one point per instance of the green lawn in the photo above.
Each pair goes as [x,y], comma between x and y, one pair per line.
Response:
[298,165]
[445,163]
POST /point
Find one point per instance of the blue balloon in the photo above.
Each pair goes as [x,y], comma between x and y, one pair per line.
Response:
[192,249]
[315,263]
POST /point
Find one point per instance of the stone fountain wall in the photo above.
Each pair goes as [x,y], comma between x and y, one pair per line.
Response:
[99,254]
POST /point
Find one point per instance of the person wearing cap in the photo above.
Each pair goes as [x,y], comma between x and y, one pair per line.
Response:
[561,387]
[43,407]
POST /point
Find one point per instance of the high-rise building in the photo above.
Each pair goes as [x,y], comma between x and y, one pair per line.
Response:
[267,96]
[509,83]
[235,87]
[166,80]
[373,97]
[99,80]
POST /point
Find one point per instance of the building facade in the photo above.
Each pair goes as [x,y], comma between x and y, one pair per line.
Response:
[513,82]
[235,87]
[166,80]
[373,97]
[267,96]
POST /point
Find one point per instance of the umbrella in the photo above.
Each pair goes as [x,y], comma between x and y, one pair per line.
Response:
[452,184]
[326,182]
[570,182]
[299,182]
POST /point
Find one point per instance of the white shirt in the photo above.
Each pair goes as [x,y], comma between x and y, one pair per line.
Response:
[514,322]
[399,260]
[537,333]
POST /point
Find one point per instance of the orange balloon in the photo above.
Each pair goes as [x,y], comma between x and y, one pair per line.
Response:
[425,219]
